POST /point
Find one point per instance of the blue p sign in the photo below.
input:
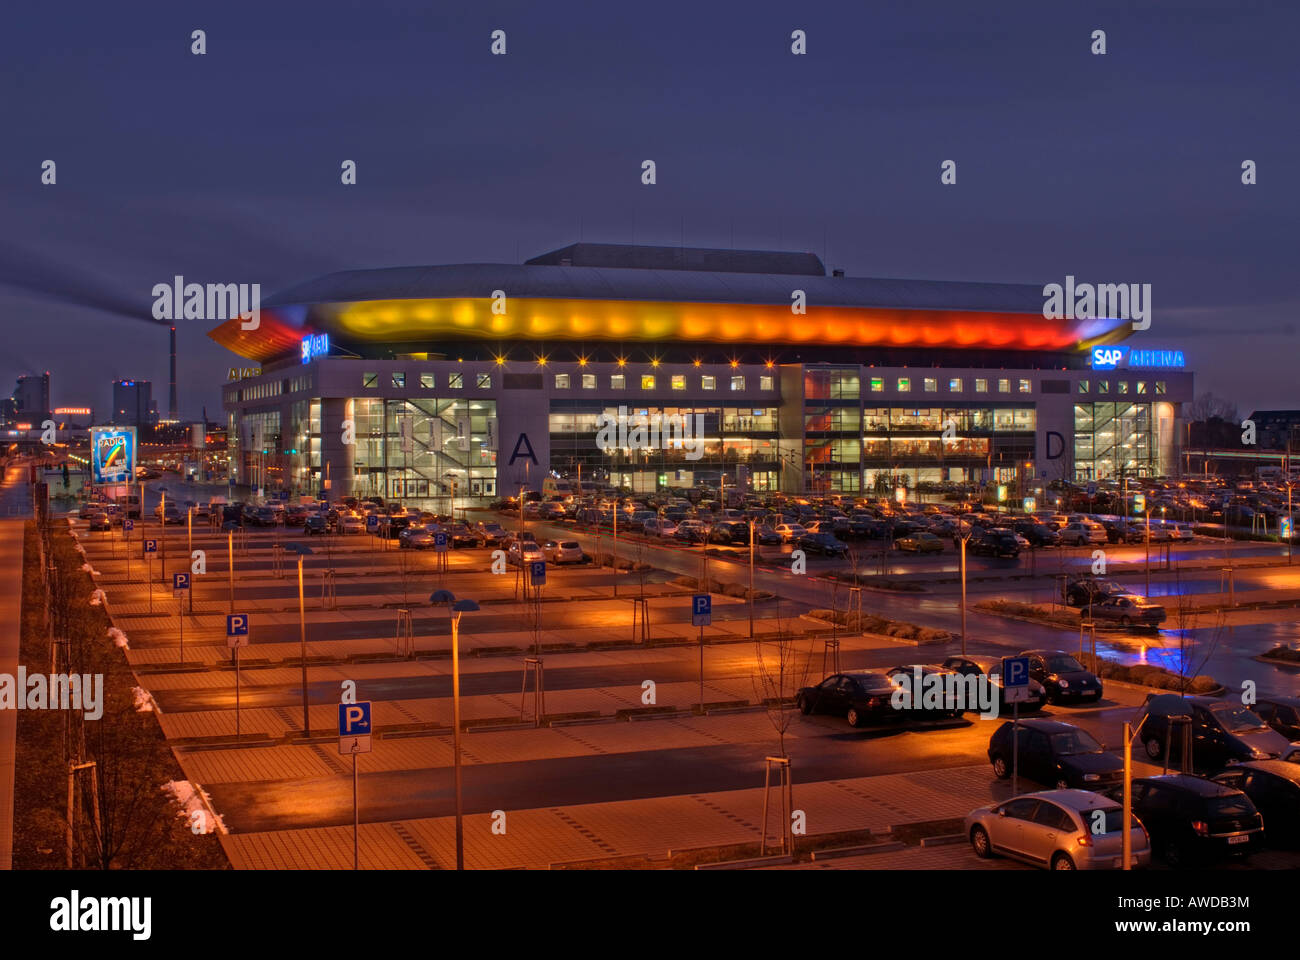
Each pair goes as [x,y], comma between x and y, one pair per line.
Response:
[180,581]
[537,572]
[237,625]
[1015,671]
[128,525]
[151,546]
[701,610]
[354,727]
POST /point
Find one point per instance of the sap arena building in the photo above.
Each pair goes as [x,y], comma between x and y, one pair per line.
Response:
[412,383]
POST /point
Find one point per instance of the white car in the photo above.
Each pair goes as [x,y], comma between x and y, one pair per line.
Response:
[524,551]
[1083,534]
[659,528]
[352,523]
[790,531]
[563,551]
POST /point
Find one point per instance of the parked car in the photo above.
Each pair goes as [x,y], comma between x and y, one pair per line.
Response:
[350,523]
[461,535]
[563,551]
[859,697]
[790,532]
[1222,731]
[919,543]
[415,536]
[905,675]
[1083,533]
[1038,534]
[491,532]
[1127,610]
[992,668]
[1055,753]
[314,524]
[1282,714]
[1058,829]
[1081,591]
[1062,676]
[1193,820]
[995,543]
[1274,788]
[524,551]
[823,543]
[99,520]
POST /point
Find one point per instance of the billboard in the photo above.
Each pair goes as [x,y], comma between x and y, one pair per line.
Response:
[112,454]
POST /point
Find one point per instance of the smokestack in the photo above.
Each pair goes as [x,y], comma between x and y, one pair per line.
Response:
[171,392]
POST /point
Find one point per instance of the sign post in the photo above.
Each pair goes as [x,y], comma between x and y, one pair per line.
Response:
[1015,687]
[702,616]
[127,526]
[180,587]
[236,637]
[150,547]
[354,738]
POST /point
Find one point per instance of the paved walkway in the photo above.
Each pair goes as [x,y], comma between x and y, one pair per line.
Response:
[11,595]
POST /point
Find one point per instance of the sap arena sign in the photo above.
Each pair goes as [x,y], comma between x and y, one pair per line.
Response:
[315,345]
[1111,358]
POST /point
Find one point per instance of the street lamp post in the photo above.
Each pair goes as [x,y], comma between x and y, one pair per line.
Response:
[457,607]
[751,578]
[302,550]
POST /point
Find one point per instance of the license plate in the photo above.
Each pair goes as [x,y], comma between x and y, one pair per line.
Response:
[1244,838]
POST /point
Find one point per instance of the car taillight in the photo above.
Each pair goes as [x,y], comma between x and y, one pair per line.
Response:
[1202,829]
[1084,841]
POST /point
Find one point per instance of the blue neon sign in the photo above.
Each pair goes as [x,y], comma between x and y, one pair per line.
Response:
[1109,358]
[315,345]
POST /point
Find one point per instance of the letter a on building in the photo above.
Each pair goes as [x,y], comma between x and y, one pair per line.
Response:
[523,449]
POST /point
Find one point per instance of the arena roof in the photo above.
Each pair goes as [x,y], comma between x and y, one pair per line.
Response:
[626,292]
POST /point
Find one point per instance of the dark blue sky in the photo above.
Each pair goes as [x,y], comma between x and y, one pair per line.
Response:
[225,167]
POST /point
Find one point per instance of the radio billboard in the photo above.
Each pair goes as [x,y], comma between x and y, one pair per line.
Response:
[112,454]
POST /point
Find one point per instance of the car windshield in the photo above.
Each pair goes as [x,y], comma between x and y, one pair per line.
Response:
[1074,742]
[1236,718]
[1064,663]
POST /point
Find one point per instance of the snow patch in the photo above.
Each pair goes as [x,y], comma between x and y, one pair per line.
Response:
[118,637]
[144,702]
[98,598]
[195,806]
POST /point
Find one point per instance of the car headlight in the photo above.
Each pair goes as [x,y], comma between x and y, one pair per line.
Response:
[1063,683]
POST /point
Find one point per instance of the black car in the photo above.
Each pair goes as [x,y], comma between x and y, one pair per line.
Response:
[1081,591]
[824,543]
[315,524]
[1062,676]
[857,696]
[1193,820]
[1282,714]
[1058,754]
[1038,534]
[992,667]
[1274,787]
[995,543]
[1222,731]
[1121,531]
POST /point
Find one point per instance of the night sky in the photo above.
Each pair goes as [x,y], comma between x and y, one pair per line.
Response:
[226,167]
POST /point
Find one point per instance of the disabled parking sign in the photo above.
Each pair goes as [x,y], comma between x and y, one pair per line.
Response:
[354,727]
[180,583]
[236,630]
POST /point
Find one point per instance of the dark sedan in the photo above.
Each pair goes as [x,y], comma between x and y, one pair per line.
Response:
[1128,610]
[1062,676]
[823,543]
[858,696]
[1058,754]
[992,668]
[1193,820]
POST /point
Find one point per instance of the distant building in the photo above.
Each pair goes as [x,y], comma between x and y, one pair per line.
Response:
[133,403]
[1273,427]
[32,398]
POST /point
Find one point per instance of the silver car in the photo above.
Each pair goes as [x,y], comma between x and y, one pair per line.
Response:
[1058,829]
[563,551]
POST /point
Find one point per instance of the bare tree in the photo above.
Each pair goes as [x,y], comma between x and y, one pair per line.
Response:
[780,670]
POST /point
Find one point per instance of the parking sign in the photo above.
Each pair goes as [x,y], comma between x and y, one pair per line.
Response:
[151,546]
[701,610]
[236,630]
[128,525]
[354,727]
[1015,678]
[537,573]
[440,541]
[180,583]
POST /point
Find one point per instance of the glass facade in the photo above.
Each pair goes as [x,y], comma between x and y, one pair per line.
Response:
[1113,440]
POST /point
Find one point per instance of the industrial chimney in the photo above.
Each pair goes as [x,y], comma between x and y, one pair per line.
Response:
[171,393]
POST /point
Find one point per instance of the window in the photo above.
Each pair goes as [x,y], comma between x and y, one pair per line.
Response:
[1103,386]
[370,380]
[738,382]
[877,384]
[708,382]
[1026,386]
[1083,386]
[617,381]
[483,381]
[904,385]
[767,383]
[931,385]
[647,381]
[954,385]
[981,385]
[1004,386]
[399,380]
[589,381]
[1142,386]
[1123,386]
[679,381]
[561,381]
[456,381]
[1161,387]
[426,381]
